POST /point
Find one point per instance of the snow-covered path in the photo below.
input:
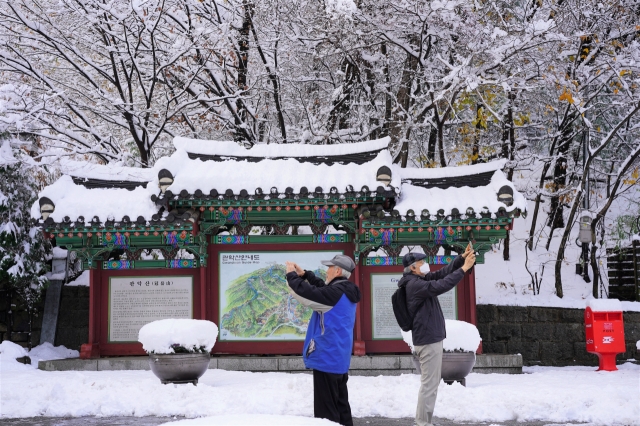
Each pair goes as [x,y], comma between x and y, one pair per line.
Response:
[568,394]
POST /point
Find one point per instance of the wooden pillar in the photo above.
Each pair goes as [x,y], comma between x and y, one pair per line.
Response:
[358,343]
[203,292]
[92,348]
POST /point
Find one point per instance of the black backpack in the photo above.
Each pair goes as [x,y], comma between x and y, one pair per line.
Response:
[400,308]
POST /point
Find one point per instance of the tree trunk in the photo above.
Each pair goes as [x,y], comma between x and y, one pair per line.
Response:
[243,60]
[403,100]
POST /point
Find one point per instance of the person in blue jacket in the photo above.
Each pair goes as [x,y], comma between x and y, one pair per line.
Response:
[329,341]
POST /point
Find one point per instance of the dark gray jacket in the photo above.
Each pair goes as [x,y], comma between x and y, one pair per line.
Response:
[428,321]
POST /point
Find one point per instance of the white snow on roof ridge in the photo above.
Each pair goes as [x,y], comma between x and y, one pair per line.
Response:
[446,172]
[106,203]
[417,198]
[222,148]
[105,172]
[195,174]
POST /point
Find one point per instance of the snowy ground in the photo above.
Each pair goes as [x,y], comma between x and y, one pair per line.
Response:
[568,394]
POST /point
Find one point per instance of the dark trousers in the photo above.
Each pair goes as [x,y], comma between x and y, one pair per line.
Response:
[331,398]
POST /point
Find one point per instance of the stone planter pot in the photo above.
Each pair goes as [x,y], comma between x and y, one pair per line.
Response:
[179,368]
[455,366]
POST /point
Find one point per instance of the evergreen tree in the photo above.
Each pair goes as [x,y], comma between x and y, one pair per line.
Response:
[23,248]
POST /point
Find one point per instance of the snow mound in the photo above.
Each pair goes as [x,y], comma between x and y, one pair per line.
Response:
[9,351]
[638,345]
[159,336]
[461,336]
[605,305]
[47,351]
[253,419]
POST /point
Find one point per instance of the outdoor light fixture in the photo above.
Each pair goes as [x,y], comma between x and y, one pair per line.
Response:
[165,179]
[505,195]
[584,235]
[384,175]
[46,207]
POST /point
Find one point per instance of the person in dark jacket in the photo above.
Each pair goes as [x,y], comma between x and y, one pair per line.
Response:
[423,288]
[329,340]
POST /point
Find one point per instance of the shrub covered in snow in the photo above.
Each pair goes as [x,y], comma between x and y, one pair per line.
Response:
[170,336]
[461,337]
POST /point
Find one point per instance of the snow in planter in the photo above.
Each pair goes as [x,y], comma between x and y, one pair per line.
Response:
[169,336]
[461,337]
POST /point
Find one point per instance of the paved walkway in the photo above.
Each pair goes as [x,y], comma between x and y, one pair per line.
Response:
[154,421]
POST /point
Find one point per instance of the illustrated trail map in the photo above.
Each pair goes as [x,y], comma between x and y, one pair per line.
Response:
[255,303]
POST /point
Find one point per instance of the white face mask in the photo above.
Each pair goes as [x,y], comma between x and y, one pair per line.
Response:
[424,268]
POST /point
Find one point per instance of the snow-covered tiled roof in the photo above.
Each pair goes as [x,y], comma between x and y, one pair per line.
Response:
[451,172]
[73,200]
[417,198]
[109,172]
[191,175]
[233,149]
[76,193]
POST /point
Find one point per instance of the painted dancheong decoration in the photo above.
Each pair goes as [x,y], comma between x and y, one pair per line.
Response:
[181,214]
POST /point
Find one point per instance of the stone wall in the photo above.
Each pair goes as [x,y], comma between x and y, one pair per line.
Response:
[20,321]
[546,336]
[73,322]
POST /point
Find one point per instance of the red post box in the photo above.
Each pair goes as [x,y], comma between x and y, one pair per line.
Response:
[605,331]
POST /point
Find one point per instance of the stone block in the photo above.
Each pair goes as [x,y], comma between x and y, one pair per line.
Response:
[540,314]
[486,314]
[505,331]
[497,370]
[71,364]
[553,352]
[631,331]
[538,332]
[406,362]
[484,330]
[213,364]
[124,363]
[379,362]
[81,318]
[498,361]
[291,364]
[530,351]
[513,314]
[569,332]
[374,373]
[573,316]
[494,347]
[248,364]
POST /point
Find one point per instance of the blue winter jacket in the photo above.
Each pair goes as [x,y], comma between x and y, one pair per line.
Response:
[329,340]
